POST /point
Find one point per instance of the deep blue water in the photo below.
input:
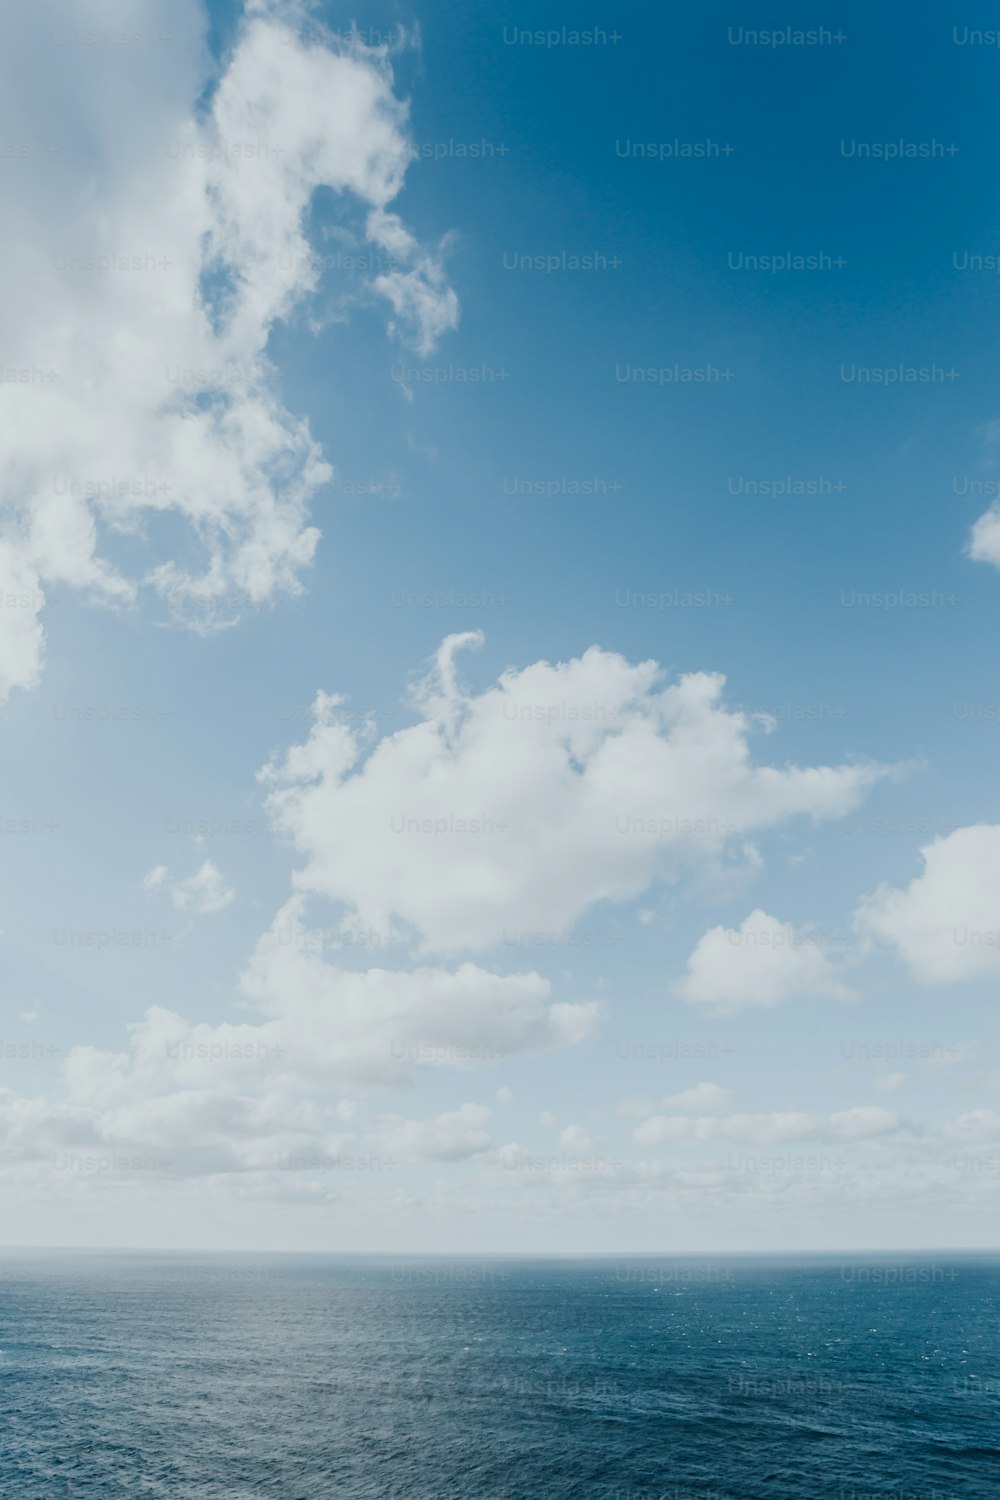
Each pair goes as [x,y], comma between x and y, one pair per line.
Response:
[300,1377]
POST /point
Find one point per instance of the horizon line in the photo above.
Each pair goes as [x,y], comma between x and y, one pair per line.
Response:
[504,1254]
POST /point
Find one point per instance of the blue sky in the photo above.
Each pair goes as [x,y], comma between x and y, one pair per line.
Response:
[366,295]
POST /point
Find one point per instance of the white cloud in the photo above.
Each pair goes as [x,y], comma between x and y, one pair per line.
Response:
[238,1097]
[420,296]
[887,1083]
[977,1125]
[983,544]
[21,633]
[452,1136]
[198,1132]
[702,1096]
[323,1026]
[378,1024]
[154,251]
[522,806]
[862,1123]
[637,1109]
[204,892]
[184,1133]
[945,925]
[984,538]
[32,1129]
[575,1138]
[762,963]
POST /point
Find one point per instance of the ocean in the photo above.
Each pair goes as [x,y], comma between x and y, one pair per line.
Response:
[238,1377]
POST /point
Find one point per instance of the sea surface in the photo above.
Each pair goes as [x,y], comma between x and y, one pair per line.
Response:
[313,1377]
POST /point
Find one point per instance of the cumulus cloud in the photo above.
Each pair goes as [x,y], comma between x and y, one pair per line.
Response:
[637,1109]
[237,1097]
[984,538]
[702,1096]
[203,892]
[378,1024]
[452,1136]
[188,1132]
[862,1123]
[983,543]
[945,925]
[33,1129]
[977,1125]
[761,963]
[324,1025]
[255,1095]
[522,806]
[154,251]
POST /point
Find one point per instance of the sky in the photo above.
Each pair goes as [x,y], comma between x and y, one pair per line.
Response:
[499,575]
